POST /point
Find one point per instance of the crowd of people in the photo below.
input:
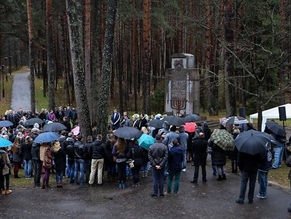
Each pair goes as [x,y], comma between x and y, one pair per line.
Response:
[84,161]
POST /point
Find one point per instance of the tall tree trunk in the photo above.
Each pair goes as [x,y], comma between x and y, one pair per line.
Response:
[96,57]
[120,66]
[230,97]
[31,55]
[106,69]
[208,59]
[87,49]
[76,46]
[146,56]
[51,65]
[134,48]
[284,47]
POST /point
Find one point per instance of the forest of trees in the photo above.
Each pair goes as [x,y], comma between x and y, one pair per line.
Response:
[111,53]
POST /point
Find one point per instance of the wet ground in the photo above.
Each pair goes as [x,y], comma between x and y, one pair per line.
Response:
[214,199]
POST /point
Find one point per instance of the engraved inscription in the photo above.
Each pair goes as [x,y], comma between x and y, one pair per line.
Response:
[178,90]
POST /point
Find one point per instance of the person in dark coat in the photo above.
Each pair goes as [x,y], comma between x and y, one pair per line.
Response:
[110,165]
[175,165]
[59,157]
[232,155]
[190,148]
[37,163]
[145,166]
[115,119]
[206,131]
[88,157]
[218,159]
[79,161]
[248,165]
[25,153]
[199,156]
[67,123]
[70,155]
[143,121]
[264,166]
[97,152]
[135,153]
[158,156]
[119,152]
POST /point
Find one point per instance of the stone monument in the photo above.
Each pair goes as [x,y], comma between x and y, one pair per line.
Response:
[182,86]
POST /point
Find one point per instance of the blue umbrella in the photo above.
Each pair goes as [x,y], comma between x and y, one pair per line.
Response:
[5,123]
[46,137]
[145,141]
[5,143]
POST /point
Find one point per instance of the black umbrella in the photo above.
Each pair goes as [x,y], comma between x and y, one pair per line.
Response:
[253,142]
[276,128]
[174,120]
[54,127]
[192,118]
[236,120]
[127,133]
[32,121]
[46,137]
[156,123]
[5,123]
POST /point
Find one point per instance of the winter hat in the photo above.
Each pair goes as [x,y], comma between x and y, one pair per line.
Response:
[36,125]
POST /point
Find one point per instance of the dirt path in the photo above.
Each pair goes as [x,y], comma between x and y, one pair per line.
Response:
[21,92]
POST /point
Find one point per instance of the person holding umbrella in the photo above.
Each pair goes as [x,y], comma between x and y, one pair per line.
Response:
[220,142]
[251,147]
[248,165]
